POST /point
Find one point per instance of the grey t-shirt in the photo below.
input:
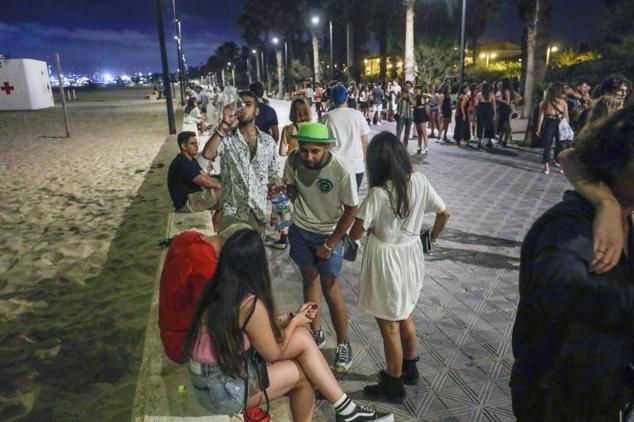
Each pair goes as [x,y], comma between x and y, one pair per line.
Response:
[377,95]
[321,193]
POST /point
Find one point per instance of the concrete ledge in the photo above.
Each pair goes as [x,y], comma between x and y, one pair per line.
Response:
[178,222]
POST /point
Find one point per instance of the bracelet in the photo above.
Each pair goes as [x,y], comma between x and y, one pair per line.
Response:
[226,122]
[327,247]
[222,135]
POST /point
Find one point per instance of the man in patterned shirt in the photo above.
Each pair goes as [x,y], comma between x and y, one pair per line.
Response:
[405,103]
[249,165]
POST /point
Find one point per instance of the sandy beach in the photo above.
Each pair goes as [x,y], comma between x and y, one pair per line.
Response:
[80,218]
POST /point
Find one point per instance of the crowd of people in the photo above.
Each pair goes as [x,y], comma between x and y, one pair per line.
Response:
[217,312]
[324,168]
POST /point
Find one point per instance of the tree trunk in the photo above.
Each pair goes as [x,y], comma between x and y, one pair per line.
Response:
[349,52]
[382,53]
[531,44]
[316,66]
[280,73]
[409,40]
[523,66]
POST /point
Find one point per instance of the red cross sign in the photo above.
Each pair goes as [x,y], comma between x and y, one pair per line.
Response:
[7,88]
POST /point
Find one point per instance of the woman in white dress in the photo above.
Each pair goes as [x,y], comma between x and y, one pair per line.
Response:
[393,266]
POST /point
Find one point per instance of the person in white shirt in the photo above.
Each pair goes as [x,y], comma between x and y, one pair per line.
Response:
[350,130]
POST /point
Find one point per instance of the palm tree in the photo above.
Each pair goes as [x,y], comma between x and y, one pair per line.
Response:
[571,57]
[533,14]
[409,40]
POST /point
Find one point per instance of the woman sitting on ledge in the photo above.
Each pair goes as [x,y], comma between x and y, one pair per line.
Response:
[235,319]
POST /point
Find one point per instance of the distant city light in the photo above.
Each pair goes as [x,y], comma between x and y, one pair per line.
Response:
[315,20]
[107,77]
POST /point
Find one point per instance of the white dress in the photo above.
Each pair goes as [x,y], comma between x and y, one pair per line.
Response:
[393,266]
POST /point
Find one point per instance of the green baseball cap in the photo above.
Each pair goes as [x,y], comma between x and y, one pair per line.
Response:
[313,132]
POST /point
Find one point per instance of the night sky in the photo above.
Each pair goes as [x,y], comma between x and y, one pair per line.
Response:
[120,36]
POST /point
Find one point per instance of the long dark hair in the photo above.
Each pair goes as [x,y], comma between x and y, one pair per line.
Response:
[486,91]
[508,86]
[242,270]
[554,93]
[387,160]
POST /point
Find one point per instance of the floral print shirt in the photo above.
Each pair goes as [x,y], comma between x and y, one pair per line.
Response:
[244,180]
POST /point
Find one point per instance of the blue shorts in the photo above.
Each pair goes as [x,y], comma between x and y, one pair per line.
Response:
[218,393]
[304,244]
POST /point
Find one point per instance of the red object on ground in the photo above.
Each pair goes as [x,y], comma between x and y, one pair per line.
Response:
[256,415]
[189,265]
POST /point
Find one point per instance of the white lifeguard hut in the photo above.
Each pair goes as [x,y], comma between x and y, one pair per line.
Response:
[24,85]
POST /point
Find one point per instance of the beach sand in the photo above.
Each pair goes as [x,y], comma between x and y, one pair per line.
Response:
[81,219]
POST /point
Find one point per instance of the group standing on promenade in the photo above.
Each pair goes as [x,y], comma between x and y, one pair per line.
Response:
[241,354]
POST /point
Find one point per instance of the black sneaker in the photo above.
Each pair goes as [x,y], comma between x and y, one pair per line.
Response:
[343,359]
[319,337]
[365,414]
[280,245]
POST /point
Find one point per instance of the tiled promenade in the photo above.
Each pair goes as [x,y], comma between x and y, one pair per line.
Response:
[466,310]
[465,315]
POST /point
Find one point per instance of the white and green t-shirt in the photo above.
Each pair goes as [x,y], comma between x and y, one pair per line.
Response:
[321,193]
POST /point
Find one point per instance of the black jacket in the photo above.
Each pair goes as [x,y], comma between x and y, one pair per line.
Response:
[573,339]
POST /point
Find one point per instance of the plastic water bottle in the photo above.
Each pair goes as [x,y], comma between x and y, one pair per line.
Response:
[281,207]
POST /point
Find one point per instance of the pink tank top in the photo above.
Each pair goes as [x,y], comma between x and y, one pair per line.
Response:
[203,349]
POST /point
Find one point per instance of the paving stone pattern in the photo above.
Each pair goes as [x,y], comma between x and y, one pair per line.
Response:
[465,314]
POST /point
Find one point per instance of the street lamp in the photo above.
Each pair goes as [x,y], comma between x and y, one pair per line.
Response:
[257,63]
[315,40]
[550,49]
[276,41]
[332,57]
[233,72]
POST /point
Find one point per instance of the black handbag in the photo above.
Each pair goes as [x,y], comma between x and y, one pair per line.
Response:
[350,249]
[425,239]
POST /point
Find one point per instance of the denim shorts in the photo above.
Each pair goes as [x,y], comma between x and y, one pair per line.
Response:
[218,393]
[304,244]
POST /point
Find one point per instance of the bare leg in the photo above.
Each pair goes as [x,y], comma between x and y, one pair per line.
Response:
[312,293]
[390,330]
[419,132]
[301,367]
[424,133]
[337,307]
[408,338]
[287,377]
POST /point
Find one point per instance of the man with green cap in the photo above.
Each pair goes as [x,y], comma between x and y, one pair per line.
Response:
[323,188]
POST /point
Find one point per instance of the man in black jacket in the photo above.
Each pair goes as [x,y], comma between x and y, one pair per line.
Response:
[573,338]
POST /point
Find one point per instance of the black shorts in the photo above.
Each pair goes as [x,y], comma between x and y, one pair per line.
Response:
[420,115]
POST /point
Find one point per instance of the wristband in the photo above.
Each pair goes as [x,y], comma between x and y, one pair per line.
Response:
[327,247]
[220,134]
[225,122]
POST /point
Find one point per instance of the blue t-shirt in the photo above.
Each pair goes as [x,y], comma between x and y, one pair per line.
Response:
[266,119]
[180,176]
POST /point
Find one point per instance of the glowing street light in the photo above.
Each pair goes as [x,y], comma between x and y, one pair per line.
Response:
[486,56]
[257,63]
[315,20]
